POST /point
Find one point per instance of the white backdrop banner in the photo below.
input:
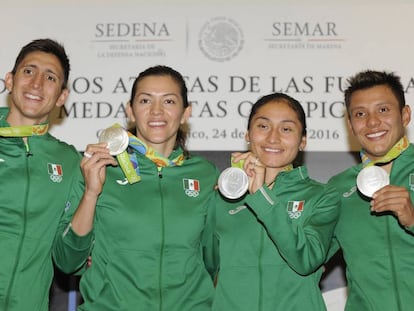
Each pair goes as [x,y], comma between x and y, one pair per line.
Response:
[230,54]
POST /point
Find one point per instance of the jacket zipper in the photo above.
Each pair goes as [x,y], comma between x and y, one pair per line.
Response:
[260,306]
[392,259]
[19,250]
[395,284]
[159,169]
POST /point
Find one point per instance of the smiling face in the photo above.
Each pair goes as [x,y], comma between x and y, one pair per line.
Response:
[35,89]
[158,111]
[376,120]
[275,135]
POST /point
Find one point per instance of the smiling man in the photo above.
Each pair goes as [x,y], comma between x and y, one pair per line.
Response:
[36,171]
[376,233]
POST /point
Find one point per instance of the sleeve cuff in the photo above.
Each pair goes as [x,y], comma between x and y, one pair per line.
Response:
[76,241]
[261,201]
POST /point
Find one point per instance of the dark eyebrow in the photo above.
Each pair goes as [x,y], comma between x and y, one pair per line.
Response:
[262,118]
[29,65]
[267,119]
[164,95]
[35,66]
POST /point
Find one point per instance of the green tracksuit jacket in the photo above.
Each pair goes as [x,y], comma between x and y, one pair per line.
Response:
[150,240]
[272,245]
[34,184]
[379,253]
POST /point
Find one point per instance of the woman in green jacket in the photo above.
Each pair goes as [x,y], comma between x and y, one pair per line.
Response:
[273,241]
[148,229]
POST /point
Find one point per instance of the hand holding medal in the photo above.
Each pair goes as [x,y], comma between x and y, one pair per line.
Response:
[373,177]
[117,139]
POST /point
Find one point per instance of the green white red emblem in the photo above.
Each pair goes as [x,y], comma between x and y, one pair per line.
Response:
[191,187]
[55,172]
[295,209]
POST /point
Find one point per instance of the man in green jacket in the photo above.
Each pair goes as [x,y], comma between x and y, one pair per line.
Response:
[376,225]
[36,173]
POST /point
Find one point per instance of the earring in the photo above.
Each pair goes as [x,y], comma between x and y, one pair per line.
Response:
[248,142]
[300,149]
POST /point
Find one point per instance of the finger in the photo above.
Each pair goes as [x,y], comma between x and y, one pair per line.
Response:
[96,160]
[390,193]
[388,204]
[93,148]
[250,163]
[238,156]
[389,190]
[255,163]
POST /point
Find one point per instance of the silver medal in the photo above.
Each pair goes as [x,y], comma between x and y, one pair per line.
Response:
[233,183]
[371,179]
[117,139]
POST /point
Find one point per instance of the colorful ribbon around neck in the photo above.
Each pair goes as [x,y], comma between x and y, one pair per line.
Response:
[129,161]
[392,154]
[24,131]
